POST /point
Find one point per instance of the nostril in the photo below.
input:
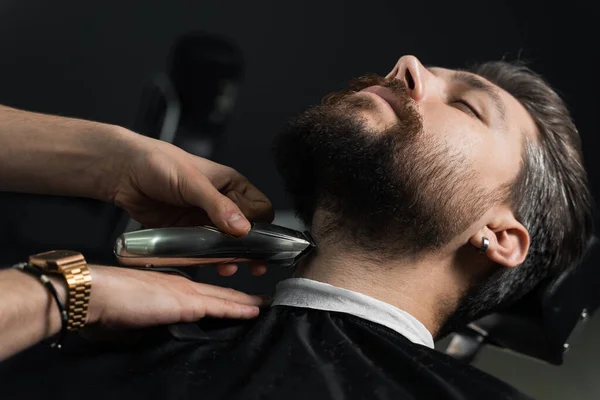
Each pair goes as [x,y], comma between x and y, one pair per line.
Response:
[410,82]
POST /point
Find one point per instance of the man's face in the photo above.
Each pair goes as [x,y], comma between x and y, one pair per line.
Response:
[407,162]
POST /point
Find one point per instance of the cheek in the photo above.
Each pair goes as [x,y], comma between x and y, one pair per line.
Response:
[488,154]
[500,160]
[458,132]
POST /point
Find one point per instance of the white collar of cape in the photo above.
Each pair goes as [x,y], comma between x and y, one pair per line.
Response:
[307,293]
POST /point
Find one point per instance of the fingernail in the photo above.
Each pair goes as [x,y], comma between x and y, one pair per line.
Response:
[253,311]
[237,222]
[267,300]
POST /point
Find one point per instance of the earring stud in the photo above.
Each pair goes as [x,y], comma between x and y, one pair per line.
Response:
[485,243]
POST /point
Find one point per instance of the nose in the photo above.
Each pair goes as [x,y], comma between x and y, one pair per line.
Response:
[416,77]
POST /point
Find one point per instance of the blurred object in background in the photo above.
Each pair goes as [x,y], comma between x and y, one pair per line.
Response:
[159,111]
[206,71]
[190,104]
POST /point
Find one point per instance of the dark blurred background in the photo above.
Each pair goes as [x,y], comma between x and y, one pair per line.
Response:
[95,61]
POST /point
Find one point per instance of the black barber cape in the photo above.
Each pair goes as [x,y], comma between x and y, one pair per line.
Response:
[286,353]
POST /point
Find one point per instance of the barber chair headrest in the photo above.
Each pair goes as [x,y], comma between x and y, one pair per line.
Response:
[540,324]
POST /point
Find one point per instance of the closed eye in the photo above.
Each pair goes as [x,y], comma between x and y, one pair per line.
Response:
[466,107]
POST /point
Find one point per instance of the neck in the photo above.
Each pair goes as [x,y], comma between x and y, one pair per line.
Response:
[426,287]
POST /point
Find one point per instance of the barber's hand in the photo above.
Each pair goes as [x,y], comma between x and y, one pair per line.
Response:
[129,298]
[166,186]
[163,185]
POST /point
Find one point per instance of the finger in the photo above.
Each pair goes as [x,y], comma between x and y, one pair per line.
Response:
[254,211]
[227,269]
[227,294]
[254,205]
[221,210]
[220,308]
[258,270]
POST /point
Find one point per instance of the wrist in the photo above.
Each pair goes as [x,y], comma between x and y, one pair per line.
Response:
[120,145]
[96,304]
[35,304]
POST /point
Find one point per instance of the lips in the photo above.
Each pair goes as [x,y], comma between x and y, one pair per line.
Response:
[388,96]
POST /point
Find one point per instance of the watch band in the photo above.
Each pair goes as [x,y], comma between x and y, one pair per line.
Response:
[79,282]
[73,267]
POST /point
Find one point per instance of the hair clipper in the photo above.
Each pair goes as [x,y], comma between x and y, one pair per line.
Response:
[192,246]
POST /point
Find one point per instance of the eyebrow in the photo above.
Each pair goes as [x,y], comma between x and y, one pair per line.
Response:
[475,83]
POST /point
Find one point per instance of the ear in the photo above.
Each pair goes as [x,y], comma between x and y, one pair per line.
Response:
[509,240]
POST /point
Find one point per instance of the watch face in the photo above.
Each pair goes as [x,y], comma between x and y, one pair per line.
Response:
[53,260]
[56,255]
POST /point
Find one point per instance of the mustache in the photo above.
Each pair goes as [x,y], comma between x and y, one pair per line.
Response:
[357,84]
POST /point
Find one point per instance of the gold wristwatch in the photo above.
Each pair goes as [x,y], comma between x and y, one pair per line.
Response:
[73,267]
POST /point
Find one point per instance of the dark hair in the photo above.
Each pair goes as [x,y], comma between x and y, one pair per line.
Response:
[550,196]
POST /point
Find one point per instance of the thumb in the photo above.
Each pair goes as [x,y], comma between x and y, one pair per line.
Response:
[221,210]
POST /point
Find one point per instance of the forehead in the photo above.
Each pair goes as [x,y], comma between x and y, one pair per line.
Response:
[518,120]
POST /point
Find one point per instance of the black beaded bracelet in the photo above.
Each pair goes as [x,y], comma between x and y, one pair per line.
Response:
[38,272]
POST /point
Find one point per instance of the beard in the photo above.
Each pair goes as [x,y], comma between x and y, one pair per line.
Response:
[393,192]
